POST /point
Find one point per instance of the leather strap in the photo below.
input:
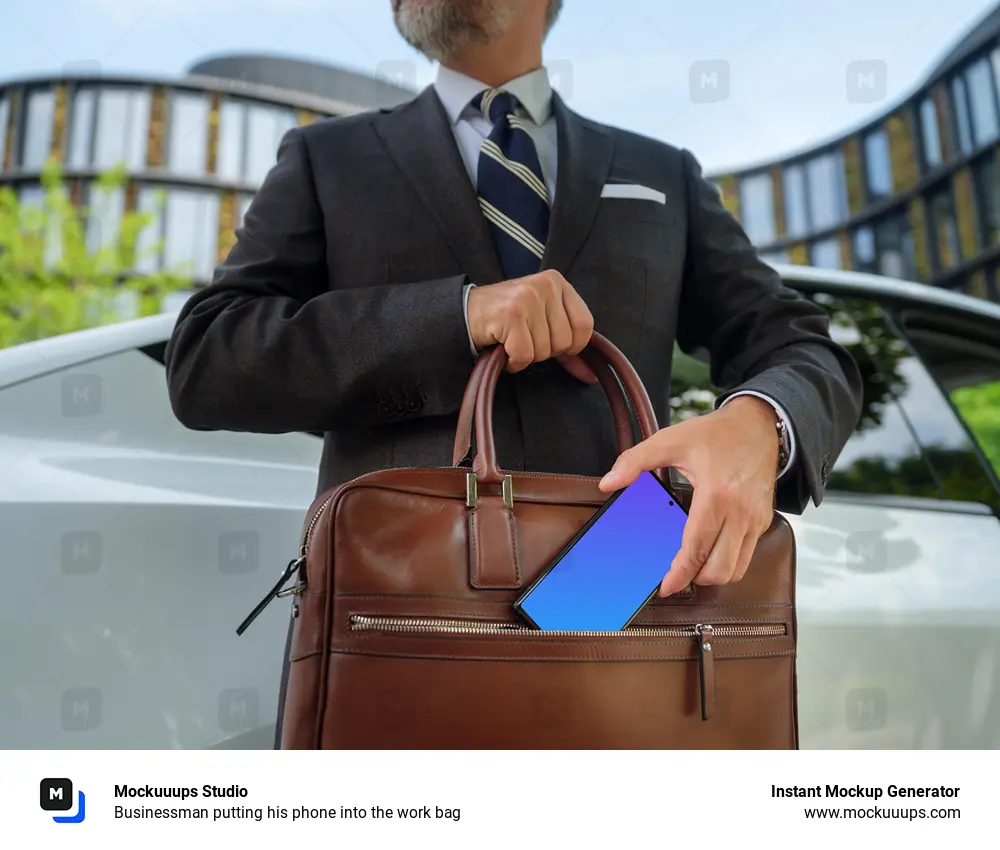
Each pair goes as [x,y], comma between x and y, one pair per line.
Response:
[619,409]
[494,556]
[494,559]
[463,432]
[599,353]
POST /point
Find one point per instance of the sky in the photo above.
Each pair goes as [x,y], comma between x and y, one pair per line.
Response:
[734,81]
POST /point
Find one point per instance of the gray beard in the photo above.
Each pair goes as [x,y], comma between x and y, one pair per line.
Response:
[441,29]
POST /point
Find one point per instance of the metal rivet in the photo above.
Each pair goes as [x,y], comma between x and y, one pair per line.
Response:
[707,647]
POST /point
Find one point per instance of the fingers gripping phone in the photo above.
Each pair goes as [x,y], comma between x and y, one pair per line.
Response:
[613,566]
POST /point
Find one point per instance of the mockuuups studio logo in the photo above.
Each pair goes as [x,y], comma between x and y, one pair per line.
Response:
[56,795]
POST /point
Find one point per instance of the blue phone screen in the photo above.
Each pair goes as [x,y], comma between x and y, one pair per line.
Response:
[600,583]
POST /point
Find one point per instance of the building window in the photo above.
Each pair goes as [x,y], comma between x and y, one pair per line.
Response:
[827,190]
[865,257]
[105,207]
[243,204]
[4,120]
[772,257]
[982,102]
[232,132]
[149,245]
[757,208]
[187,151]
[125,304]
[963,128]
[173,301]
[945,230]
[878,164]
[993,284]
[825,254]
[796,208]
[81,136]
[987,182]
[266,126]
[38,129]
[184,234]
[894,244]
[122,128]
[192,232]
[930,132]
[32,197]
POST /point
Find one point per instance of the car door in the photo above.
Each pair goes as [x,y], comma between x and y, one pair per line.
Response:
[898,604]
[132,549]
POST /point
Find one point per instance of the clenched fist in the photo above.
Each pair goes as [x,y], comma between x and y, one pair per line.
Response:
[533,318]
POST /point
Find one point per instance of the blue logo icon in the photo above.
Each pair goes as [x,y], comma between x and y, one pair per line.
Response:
[56,795]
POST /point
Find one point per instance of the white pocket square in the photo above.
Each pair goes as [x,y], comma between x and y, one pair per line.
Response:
[632,191]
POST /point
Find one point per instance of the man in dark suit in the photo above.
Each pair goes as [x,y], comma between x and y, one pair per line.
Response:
[384,250]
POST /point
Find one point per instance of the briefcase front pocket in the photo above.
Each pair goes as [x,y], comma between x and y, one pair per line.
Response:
[508,685]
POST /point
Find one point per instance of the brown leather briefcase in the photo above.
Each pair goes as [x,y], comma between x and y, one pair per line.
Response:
[404,635]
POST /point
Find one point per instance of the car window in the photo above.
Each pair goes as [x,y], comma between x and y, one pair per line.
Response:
[908,441]
[964,361]
[979,406]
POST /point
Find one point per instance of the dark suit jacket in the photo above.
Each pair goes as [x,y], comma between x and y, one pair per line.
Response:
[339,309]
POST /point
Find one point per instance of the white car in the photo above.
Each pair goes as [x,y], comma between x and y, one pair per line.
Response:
[132,547]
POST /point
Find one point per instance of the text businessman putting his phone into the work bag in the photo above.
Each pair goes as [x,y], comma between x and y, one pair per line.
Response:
[406,633]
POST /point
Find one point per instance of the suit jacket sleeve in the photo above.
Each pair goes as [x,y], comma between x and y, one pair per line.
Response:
[273,346]
[764,337]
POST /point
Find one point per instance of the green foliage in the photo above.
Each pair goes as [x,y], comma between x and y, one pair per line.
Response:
[958,475]
[857,324]
[979,406]
[51,282]
[691,390]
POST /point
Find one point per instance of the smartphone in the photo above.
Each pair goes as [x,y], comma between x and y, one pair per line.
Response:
[613,566]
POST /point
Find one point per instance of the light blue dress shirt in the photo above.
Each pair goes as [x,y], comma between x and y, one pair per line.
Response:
[471,128]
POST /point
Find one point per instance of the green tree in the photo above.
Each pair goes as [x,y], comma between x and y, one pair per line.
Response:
[979,406]
[57,275]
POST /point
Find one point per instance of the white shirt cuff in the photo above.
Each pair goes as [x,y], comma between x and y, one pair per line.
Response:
[465,311]
[784,418]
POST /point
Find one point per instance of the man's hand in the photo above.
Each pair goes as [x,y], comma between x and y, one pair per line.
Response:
[730,457]
[533,318]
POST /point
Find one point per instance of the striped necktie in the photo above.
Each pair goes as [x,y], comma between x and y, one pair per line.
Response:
[512,192]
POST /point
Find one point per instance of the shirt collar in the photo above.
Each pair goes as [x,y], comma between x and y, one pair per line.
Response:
[532,90]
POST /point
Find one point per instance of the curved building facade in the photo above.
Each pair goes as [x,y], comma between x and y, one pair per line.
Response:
[913,194]
[195,148]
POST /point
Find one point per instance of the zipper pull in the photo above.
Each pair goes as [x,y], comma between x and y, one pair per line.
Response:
[706,669]
[275,591]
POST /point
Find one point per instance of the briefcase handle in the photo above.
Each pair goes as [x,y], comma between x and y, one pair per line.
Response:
[599,354]
[466,414]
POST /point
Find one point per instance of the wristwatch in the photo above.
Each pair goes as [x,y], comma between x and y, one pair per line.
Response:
[784,444]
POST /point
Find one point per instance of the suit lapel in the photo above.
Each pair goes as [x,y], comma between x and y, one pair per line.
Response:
[419,138]
[585,153]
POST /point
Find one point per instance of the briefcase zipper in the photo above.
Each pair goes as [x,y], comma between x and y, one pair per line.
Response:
[430,625]
[703,633]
